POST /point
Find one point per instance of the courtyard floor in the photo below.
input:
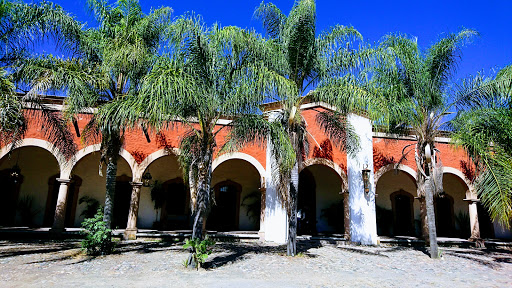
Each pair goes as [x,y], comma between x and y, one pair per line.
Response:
[159,264]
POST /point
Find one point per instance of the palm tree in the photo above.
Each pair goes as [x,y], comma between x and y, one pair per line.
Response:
[107,63]
[207,74]
[302,60]
[484,130]
[415,86]
[21,26]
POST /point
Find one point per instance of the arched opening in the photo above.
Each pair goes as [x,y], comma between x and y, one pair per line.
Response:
[225,212]
[166,203]
[396,211]
[403,213]
[236,185]
[320,203]
[24,202]
[71,200]
[93,188]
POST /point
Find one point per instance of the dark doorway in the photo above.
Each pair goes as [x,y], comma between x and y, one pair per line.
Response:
[403,213]
[71,200]
[122,198]
[10,190]
[485,222]
[175,209]
[444,216]
[224,215]
[306,204]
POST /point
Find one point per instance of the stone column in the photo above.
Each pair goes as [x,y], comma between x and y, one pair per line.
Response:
[363,223]
[276,218]
[60,209]
[473,219]
[130,233]
[346,215]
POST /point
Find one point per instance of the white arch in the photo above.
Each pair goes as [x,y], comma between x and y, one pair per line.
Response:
[330,164]
[404,168]
[241,156]
[66,173]
[140,168]
[34,142]
[471,193]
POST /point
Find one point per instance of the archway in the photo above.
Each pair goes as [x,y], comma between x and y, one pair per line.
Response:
[166,188]
[237,184]
[26,200]
[320,203]
[93,186]
[394,201]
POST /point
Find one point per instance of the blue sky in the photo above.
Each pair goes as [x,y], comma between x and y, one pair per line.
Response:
[426,20]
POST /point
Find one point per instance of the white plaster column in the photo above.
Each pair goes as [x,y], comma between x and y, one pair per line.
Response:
[130,233]
[473,219]
[346,215]
[60,209]
[261,232]
[363,224]
[276,219]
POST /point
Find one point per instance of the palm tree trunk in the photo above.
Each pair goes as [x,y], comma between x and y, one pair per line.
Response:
[203,201]
[291,249]
[429,202]
[111,190]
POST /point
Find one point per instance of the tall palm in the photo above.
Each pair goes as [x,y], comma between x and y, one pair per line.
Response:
[484,129]
[107,63]
[415,85]
[22,26]
[301,59]
[207,74]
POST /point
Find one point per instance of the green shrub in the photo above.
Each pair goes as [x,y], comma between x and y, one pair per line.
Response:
[98,237]
[200,250]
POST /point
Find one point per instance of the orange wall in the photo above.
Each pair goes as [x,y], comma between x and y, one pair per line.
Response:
[386,150]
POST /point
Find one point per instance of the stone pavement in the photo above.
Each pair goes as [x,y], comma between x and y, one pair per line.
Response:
[159,264]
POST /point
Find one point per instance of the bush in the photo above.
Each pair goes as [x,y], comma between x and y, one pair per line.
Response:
[98,237]
[200,250]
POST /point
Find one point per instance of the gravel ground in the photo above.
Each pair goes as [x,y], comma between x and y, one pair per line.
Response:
[156,264]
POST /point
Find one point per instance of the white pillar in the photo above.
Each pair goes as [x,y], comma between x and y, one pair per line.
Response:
[473,219]
[60,208]
[363,224]
[276,220]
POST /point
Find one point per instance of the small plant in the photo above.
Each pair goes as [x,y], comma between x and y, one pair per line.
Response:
[91,206]
[98,238]
[252,202]
[200,250]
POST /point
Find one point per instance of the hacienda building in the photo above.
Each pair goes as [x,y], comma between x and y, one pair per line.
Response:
[40,188]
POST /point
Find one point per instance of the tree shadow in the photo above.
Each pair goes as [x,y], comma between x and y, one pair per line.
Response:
[236,252]
[36,249]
